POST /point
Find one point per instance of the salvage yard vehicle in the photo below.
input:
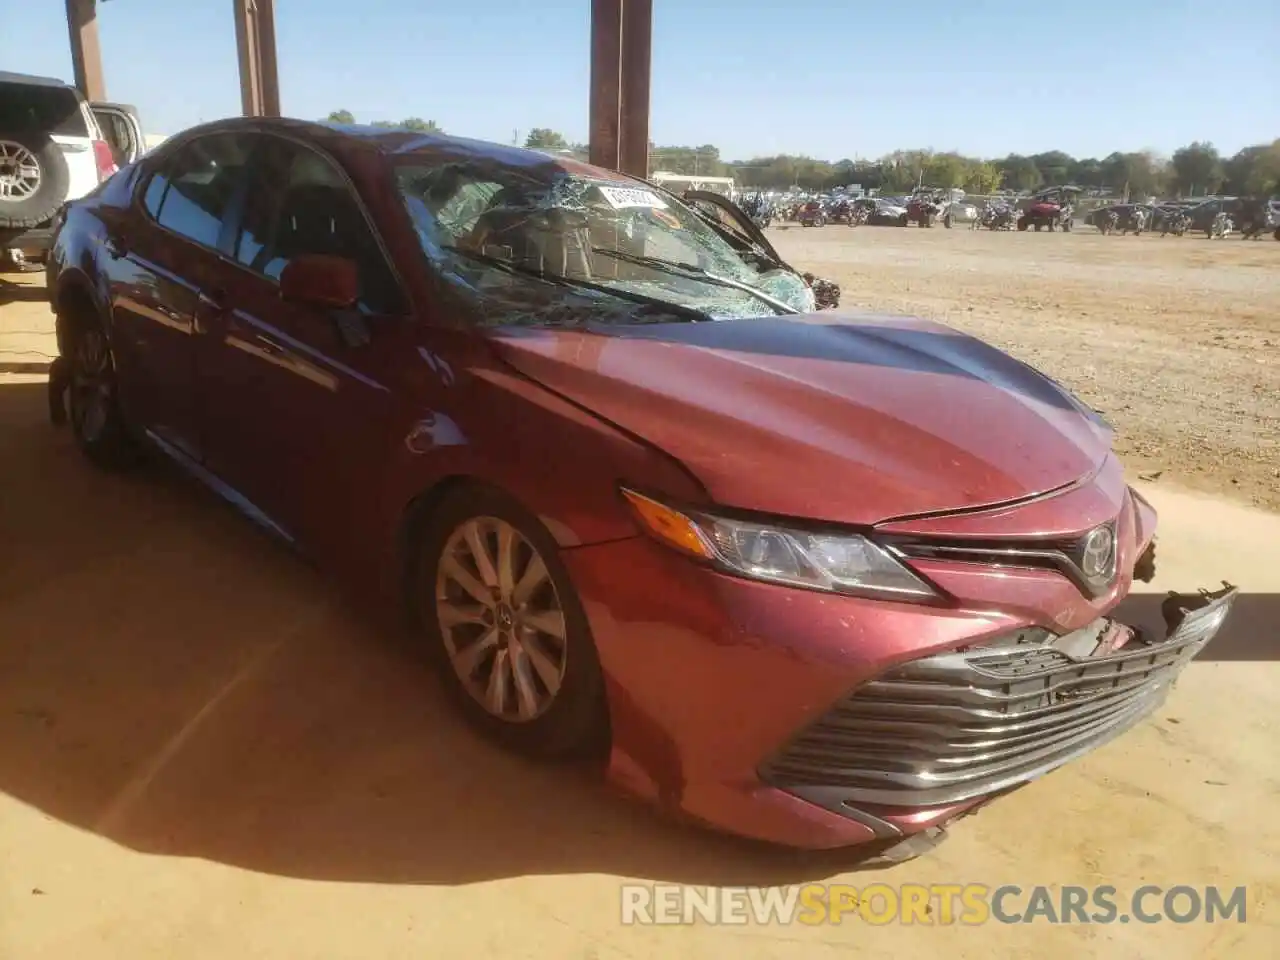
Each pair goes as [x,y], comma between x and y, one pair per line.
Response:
[54,147]
[879,212]
[1051,208]
[636,498]
[812,214]
[924,207]
[999,215]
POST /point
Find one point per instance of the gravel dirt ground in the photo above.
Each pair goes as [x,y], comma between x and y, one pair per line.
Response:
[1176,341]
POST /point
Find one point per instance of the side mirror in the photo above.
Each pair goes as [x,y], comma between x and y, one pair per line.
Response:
[319,280]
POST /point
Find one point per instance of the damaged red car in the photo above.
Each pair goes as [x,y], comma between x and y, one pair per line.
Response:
[820,578]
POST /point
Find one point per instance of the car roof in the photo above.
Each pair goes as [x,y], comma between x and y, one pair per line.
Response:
[32,80]
[399,142]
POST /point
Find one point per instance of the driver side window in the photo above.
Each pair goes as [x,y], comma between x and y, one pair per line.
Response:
[298,203]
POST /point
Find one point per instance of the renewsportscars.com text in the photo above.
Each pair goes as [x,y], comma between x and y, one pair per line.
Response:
[970,904]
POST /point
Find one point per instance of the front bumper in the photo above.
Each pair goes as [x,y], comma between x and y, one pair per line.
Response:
[721,694]
[960,726]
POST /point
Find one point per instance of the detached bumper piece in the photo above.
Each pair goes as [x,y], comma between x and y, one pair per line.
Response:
[958,726]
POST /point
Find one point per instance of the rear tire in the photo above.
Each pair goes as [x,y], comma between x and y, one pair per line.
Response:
[93,406]
[562,674]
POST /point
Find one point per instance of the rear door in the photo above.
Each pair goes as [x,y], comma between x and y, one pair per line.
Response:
[167,259]
[121,129]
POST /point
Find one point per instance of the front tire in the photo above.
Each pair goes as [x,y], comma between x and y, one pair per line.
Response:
[501,618]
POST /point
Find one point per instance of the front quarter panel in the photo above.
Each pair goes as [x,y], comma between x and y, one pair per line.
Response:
[494,426]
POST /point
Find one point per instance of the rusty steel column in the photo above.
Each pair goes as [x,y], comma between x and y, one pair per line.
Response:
[637,44]
[606,83]
[256,46]
[86,53]
[267,72]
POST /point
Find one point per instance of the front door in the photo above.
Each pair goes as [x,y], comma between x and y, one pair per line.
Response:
[298,414]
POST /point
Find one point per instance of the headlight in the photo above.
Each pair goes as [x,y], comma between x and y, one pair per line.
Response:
[836,562]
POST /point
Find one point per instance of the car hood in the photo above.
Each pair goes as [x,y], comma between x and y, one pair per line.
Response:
[853,419]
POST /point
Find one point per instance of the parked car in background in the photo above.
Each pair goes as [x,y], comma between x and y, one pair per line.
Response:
[54,147]
[883,212]
[638,501]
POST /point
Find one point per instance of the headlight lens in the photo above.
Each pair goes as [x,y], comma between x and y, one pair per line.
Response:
[840,563]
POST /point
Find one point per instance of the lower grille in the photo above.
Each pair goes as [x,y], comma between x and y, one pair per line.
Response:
[956,726]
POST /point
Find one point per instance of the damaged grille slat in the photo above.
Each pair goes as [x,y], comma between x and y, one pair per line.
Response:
[960,725]
[1027,690]
[950,742]
[953,754]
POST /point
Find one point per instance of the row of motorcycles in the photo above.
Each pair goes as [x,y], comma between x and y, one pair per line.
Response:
[1177,223]
[1002,215]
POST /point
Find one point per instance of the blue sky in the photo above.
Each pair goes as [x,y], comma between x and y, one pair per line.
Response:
[831,79]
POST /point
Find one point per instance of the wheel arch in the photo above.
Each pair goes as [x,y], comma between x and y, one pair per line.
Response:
[75,303]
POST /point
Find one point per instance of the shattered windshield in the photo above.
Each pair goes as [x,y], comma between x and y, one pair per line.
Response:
[531,243]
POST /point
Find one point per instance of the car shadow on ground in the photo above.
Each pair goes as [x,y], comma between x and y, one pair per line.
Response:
[11,292]
[173,681]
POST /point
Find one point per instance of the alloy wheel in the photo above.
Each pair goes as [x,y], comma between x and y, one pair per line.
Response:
[91,385]
[501,619]
[19,172]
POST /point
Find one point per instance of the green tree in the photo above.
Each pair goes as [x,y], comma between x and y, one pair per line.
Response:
[982,178]
[1055,167]
[1137,174]
[341,116]
[543,138]
[1019,172]
[1197,168]
[1264,177]
[416,124]
[1087,173]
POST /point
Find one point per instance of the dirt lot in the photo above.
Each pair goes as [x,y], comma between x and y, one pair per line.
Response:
[1176,341]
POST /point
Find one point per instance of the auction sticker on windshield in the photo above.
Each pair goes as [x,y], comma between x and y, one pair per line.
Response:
[622,197]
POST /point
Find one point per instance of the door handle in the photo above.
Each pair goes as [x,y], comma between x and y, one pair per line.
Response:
[268,346]
[217,300]
[115,247]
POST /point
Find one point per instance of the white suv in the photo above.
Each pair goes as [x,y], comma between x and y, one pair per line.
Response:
[54,147]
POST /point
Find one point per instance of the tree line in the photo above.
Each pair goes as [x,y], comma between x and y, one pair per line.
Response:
[1193,170]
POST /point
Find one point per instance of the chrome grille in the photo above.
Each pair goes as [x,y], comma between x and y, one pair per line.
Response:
[1063,556]
[956,726]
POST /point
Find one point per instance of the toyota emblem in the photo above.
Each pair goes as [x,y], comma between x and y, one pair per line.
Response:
[1098,553]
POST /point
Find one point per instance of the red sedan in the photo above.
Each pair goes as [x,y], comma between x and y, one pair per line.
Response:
[820,578]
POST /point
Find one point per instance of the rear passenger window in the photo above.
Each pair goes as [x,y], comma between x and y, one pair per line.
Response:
[202,180]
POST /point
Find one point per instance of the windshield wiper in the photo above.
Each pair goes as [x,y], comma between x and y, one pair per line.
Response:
[676,268]
[675,309]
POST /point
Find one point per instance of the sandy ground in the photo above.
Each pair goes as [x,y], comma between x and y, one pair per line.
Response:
[204,755]
[1177,341]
